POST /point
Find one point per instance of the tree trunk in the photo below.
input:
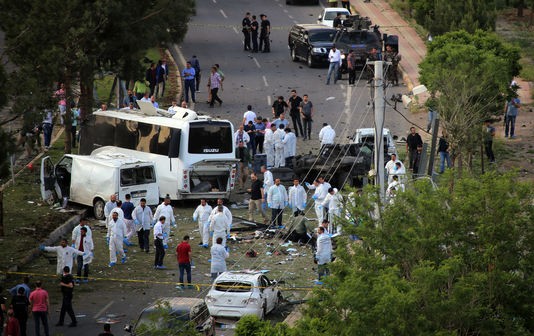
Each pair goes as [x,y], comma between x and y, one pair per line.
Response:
[1,212]
[86,91]
[520,7]
[68,116]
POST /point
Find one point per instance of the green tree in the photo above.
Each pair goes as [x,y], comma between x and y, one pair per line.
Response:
[251,325]
[57,41]
[435,262]
[478,69]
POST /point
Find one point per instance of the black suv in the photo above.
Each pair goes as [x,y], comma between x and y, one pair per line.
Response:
[311,43]
[360,41]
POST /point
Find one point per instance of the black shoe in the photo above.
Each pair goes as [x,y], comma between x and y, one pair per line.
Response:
[73,324]
[59,324]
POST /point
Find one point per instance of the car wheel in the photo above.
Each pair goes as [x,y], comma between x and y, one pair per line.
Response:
[294,54]
[98,209]
[309,61]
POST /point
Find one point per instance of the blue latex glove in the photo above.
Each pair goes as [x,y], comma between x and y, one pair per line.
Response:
[314,197]
[92,254]
[107,240]
[269,205]
[195,217]
[165,235]
[73,245]
[84,254]
[211,234]
[173,224]
[304,205]
[227,236]
[307,184]
[153,222]
[285,204]
[125,241]
[320,207]
[42,247]
[136,222]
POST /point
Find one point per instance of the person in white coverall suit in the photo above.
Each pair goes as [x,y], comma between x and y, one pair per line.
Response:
[333,201]
[202,215]
[279,159]
[268,145]
[220,226]
[327,135]
[323,255]
[110,205]
[65,254]
[115,238]
[218,259]
[321,190]
[226,211]
[297,198]
[165,209]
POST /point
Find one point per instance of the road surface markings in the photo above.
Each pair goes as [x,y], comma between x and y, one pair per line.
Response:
[265,81]
[235,30]
[223,14]
[285,10]
[269,102]
[101,311]
[290,16]
[214,1]
[257,63]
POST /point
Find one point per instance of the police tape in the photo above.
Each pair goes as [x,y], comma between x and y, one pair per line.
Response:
[197,286]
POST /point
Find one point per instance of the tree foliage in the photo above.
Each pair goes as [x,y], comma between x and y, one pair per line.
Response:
[162,322]
[436,262]
[470,74]
[442,16]
[56,41]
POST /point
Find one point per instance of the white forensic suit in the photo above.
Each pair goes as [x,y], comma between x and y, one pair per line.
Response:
[165,210]
[218,260]
[226,212]
[220,226]
[268,147]
[202,215]
[319,195]
[334,204]
[277,197]
[268,182]
[391,169]
[290,145]
[65,256]
[88,248]
[116,234]
[279,159]
[107,210]
[297,198]
[76,234]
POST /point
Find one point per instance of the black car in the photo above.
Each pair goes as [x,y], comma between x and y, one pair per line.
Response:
[311,43]
[302,2]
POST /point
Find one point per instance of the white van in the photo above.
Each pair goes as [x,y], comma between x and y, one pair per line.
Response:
[367,135]
[90,180]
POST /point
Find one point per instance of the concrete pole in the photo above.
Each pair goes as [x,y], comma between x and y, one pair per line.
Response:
[435,130]
[380,108]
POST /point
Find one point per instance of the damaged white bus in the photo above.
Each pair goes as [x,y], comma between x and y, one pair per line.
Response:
[194,154]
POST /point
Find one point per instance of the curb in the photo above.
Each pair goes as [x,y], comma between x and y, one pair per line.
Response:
[56,235]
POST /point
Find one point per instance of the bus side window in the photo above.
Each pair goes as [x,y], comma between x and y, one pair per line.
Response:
[174,145]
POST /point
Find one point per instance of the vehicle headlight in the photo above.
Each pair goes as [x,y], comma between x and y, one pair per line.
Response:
[252,301]
[342,56]
[319,50]
[210,299]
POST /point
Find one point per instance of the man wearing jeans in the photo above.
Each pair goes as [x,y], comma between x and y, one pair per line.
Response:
[183,255]
[39,306]
[334,57]
[189,81]
[511,110]
[443,150]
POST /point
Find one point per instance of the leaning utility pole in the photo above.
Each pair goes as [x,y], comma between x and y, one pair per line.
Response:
[380,108]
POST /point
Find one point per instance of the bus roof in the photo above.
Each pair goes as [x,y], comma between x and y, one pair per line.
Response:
[138,116]
[111,159]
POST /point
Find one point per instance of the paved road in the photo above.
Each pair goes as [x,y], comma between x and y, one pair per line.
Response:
[214,36]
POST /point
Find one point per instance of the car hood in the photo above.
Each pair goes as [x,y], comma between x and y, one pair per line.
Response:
[322,44]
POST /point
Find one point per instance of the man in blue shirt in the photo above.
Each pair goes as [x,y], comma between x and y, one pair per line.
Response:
[510,114]
[188,75]
[127,208]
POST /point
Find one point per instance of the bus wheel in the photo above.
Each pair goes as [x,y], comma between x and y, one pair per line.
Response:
[98,209]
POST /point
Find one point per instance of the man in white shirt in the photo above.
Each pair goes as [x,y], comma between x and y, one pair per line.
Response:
[297,198]
[76,233]
[327,135]
[249,115]
[268,145]
[165,209]
[241,139]
[290,146]
[110,205]
[173,108]
[158,243]
[202,215]
[268,180]
[142,217]
[334,57]
[279,159]
[321,190]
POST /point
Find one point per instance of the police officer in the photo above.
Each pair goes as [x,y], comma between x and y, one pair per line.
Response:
[254,27]
[265,44]
[246,31]
[392,56]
